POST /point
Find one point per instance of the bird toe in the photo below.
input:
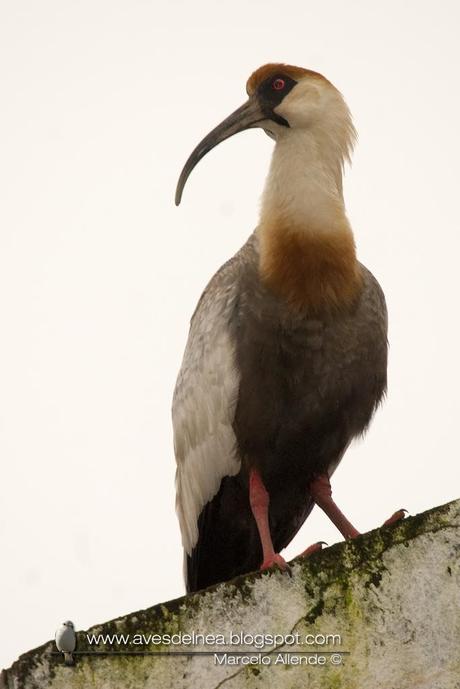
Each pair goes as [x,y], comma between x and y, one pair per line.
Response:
[314,548]
[396,517]
[276,560]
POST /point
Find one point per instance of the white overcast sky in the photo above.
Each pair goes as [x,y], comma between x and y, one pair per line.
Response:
[101,103]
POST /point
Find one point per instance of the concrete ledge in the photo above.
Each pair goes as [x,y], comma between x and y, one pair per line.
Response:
[392,595]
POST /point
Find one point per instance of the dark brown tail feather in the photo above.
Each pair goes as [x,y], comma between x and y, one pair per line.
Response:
[228,543]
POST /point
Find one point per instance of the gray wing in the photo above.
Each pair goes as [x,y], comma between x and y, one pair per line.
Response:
[204,403]
[66,639]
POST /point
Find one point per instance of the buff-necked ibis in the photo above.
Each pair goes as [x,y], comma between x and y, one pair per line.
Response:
[286,359]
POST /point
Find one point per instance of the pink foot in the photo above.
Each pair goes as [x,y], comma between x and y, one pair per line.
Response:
[277,560]
[313,549]
[396,517]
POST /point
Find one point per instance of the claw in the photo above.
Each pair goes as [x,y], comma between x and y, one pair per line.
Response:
[276,561]
[313,549]
[396,517]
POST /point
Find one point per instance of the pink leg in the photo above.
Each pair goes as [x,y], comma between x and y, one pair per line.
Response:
[321,492]
[259,500]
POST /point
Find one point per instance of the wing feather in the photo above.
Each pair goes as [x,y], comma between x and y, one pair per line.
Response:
[204,404]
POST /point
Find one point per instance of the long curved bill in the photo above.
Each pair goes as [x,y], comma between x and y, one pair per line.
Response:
[247,116]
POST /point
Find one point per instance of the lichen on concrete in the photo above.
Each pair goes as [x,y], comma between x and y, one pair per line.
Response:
[392,596]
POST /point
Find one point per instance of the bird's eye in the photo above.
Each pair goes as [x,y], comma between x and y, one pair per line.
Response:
[278,84]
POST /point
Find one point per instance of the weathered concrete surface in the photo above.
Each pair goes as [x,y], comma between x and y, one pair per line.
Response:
[393,596]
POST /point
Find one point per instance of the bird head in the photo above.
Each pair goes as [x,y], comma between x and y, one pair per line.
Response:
[286,102]
[69,624]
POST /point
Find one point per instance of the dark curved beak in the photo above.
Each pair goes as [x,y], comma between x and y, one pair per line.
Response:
[247,116]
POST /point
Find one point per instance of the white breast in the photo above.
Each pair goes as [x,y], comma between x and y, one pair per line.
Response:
[65,639]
